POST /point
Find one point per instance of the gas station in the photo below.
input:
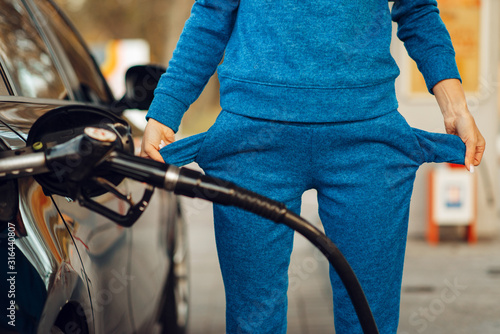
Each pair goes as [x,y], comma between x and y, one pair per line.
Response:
[67,145]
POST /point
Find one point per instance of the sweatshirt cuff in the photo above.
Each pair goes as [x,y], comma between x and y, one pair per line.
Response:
[438,68]
[167,110]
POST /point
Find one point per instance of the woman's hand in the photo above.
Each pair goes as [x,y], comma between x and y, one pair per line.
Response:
[459,121]
[154,134]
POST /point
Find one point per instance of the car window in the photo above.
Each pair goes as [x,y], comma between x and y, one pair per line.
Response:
[91,84]
[25,56]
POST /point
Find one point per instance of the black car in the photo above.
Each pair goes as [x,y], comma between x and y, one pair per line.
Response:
[63,267]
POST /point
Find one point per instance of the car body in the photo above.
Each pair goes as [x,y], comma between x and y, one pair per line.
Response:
[72,270]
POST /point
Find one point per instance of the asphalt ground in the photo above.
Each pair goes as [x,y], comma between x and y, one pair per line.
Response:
[452,287]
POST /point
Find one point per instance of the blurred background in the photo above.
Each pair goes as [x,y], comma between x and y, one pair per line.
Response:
[454,226]
[127,32]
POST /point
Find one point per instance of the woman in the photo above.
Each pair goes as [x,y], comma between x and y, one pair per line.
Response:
[308,99]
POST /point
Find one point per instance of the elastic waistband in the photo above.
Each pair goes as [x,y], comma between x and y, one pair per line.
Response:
[305,104]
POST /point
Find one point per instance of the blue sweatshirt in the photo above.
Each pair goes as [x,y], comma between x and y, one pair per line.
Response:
[299,60]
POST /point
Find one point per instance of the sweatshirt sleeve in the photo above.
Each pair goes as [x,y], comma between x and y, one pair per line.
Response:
[197,54]
[426,39]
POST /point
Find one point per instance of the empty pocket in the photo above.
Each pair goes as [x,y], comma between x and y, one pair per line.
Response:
[183,151]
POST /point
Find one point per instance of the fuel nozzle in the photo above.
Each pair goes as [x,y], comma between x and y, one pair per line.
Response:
[76,159]
[79,162]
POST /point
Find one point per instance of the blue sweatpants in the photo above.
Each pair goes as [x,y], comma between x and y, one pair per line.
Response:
[363,172]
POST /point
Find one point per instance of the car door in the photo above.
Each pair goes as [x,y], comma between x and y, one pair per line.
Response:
[48,273]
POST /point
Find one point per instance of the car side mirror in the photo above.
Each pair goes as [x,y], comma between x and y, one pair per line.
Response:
[140,83]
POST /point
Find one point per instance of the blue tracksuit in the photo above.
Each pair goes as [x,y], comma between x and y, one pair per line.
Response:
[307,91]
